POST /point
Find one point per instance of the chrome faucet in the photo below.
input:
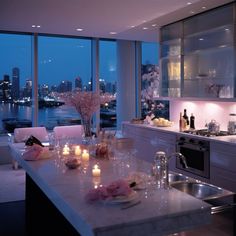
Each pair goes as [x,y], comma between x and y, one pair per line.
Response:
[161,168]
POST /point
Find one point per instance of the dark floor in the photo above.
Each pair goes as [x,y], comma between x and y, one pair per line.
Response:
[12,218]
[13,222]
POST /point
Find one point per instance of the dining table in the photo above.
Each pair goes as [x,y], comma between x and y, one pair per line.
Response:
[56,198]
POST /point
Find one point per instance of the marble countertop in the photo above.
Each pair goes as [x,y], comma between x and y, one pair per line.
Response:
[160,212]
[228,139]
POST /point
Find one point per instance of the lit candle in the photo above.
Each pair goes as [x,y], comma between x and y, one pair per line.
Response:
[96,182]
[85,155]
[96,171]
[77,151]
[66,150]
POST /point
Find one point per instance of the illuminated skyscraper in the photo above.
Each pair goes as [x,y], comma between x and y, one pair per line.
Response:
[15,90]
[78,83]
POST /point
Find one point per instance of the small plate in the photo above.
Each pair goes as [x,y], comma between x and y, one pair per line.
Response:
[122,199]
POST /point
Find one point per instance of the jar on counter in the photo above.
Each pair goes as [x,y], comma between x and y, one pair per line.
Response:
[232,123]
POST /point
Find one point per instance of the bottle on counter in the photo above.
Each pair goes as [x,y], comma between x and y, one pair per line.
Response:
[182,122]
[192,121]
[185,116]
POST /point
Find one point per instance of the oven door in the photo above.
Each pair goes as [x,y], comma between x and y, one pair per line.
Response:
[197,159]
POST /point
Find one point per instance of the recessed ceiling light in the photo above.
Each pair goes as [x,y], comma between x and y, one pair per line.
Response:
[35,26]
[203,7]
[145,28]
[132,26]
[112,32]
[154,25]
[189,3]
[201,39]
[144,21]
[192,12]
[226,29]
[79,29]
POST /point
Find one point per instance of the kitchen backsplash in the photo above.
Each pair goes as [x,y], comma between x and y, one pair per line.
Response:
[203,111]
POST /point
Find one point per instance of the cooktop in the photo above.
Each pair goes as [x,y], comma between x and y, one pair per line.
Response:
[206,133]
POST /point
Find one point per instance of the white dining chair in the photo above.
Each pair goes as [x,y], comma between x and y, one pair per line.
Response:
[22,134]
[68,132]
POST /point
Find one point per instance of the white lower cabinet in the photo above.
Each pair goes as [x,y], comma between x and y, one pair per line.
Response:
[223,165]
[148,141]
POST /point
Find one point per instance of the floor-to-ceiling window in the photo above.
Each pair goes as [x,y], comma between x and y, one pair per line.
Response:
[107,82]
[64,65]
[151,82]
[15,81]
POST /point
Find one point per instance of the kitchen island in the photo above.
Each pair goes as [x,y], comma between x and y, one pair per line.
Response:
[161,212]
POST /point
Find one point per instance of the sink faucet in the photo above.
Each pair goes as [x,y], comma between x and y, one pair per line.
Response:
[161,167]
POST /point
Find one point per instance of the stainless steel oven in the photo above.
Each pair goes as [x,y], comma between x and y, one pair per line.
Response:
[197,155]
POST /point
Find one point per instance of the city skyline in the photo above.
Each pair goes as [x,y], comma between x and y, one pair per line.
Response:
[10,88]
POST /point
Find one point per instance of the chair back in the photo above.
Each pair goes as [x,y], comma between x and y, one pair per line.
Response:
[68,132]
[22,134]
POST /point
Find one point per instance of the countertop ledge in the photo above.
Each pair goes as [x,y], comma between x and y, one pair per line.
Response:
[229,139]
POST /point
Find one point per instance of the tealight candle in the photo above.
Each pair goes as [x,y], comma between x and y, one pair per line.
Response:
[66,150]
[85,155]
[96,171]
[77,150]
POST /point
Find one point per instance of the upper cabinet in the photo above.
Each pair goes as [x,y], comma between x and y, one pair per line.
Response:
[171,40]
[199,60]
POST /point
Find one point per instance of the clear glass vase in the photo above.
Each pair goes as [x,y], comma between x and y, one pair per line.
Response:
[87,126]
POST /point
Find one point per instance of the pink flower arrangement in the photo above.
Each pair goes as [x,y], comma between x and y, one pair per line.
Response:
[86,103]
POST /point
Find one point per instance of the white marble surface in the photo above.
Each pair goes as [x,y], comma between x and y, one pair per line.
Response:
[160,212]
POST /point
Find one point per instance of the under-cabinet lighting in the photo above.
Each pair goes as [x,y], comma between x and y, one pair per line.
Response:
[154,25]
[145,28]
[189,3]
[203,7]
[79,29]
[113,32]
[192,12]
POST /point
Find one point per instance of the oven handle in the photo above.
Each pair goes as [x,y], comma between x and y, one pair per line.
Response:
[193,147]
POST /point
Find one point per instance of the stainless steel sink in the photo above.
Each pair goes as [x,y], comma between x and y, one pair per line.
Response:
[199,190]
[174,177]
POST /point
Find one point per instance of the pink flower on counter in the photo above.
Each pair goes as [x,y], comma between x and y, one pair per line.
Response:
[117,188]
[99,193]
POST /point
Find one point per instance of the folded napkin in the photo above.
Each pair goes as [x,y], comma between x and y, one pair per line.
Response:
[117,188]
[35,152]
[33,140]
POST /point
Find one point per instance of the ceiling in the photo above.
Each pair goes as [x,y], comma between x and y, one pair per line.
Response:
[120,19]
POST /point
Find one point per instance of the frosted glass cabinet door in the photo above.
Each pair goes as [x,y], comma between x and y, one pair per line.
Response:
[209,54]
[170,59]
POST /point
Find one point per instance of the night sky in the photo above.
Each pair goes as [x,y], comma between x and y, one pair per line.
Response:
[61,58]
